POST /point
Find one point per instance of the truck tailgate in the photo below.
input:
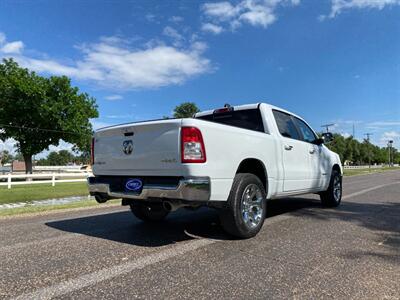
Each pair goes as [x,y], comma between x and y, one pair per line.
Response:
[144,149]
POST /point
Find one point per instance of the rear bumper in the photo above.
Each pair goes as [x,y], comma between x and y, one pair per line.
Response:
[188,189]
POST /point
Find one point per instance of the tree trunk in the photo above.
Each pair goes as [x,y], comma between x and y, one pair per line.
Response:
[28,163]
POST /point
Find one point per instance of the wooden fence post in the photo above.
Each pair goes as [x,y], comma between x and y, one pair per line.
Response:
[53,180]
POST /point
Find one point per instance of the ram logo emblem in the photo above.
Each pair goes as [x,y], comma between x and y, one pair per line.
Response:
[127,147]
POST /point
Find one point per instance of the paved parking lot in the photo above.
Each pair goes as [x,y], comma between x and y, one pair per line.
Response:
[303,251]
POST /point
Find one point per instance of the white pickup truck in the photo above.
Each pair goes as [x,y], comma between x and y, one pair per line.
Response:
[233,159]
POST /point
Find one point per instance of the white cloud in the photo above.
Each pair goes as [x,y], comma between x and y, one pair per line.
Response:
[254,12]
[174,35]
[12,47]
[62,145]
[113,97]
[2,37]
[390,136]
[150,17]
[9,145]
[209,27]
[221,10]
[337,6]
[116,64]
[96,124]
[378,124]
[176,19]
[346,135]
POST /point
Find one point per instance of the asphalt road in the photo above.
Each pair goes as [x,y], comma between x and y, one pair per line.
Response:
[303,251]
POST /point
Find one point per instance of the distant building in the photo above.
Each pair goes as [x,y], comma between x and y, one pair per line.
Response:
[18,166]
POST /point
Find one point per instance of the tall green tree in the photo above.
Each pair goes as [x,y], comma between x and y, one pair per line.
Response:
[186,110]
[38,112]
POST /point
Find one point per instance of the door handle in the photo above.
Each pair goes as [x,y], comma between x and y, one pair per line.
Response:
[288,147]
[312,151]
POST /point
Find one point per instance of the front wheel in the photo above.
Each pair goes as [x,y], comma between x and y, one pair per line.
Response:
[333,195]
[246,208]
[149,212]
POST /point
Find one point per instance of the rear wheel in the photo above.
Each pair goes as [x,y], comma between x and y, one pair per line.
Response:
[245,213]
[149,212]
[333,195]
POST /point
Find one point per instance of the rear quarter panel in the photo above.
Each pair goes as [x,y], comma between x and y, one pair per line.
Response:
[226,147]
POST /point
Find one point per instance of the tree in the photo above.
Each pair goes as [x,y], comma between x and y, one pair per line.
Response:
[60,158]
[19,156]
[38,112]
[5,157]
[83,158]
[338,145]
[185,110]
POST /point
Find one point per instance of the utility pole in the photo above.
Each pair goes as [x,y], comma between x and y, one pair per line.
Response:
[390,144]
[354,132]
[369,149]
[327,126]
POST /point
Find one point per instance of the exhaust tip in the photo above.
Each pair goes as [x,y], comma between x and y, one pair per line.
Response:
[100,198]
[167,206]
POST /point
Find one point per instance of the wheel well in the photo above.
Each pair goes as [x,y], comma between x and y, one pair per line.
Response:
[336,168]
[256,167]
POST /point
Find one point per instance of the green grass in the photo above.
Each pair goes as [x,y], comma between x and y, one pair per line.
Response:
[352,172]
[22,193]
[44,209]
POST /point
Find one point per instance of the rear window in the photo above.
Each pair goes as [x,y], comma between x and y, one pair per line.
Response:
[247,118]
[286,126]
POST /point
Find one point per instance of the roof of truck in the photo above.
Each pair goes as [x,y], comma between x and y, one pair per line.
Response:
[249,106]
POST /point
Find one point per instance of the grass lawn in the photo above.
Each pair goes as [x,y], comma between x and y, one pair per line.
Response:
[22,193]
[44,209]
[352,172]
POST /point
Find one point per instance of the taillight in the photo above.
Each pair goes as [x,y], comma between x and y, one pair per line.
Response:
[192,146]
[92,152]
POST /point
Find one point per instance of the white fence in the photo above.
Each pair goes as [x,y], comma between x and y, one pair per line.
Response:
[59,169]
[52,178]
[363,167]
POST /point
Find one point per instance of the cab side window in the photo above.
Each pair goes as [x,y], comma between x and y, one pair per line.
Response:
[285,124]
[308,135]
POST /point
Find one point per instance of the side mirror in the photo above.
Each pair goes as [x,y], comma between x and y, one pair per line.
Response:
[327,137]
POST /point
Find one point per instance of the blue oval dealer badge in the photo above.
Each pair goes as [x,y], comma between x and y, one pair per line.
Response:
[134,185]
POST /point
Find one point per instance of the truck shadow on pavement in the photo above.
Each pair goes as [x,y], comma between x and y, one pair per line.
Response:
[179,226]
[380,218]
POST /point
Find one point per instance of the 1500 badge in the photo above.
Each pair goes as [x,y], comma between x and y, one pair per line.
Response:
[169,161]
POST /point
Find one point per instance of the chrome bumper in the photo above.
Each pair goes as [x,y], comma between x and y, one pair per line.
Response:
[189,189]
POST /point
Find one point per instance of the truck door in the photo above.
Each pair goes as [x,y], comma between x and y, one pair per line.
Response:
[295,154]
[315,153]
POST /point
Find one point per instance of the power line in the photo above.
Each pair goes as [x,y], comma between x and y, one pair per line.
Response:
[368,135]
[327,126]
[39,129]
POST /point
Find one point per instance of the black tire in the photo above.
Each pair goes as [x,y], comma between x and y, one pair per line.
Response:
[149,212]
[234,218]
[332,197]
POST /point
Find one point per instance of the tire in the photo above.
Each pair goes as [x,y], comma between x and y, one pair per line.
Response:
[147,212]
[333,195]
[244,216]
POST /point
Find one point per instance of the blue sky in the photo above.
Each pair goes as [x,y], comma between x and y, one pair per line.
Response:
[330,61]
